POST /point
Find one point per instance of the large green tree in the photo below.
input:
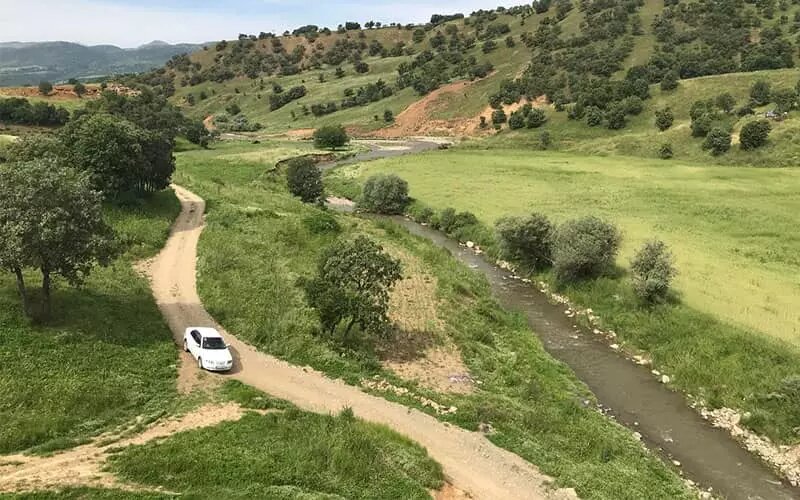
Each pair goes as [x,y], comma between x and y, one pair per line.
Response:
[120,156]
[352,285]
[51,220]
[330,137]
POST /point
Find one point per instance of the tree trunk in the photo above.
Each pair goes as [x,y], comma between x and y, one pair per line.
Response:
[46,292]
[23,292]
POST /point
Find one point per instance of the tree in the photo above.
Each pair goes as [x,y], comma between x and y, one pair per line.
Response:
[388,116]
[664,119]
[352,284]
[536,118]
[702,125]
[718,141]
[33,147]
[785,100]
[385,194]
[725,102]
[652,271]
[330,137]
[527,240]
[361,67]
[594,116]
[499,117]
[510,43]
[670,81]
[545,140]
[665,151]
[584,248]
[45,87]
[615,116]
[754,134]
[119,156]
[79,89]
[51,219]
[516,120]
[304,179]
[760,92]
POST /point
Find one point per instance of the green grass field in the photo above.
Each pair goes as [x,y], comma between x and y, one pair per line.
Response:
[257,243]
[735,338]
[106,357]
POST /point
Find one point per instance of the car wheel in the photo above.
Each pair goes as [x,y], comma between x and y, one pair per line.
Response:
[200,363]
[185,346]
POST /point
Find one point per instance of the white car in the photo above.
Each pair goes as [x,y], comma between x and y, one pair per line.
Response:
[208,348]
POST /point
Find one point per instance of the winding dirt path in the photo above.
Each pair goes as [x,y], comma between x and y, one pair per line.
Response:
[471,463]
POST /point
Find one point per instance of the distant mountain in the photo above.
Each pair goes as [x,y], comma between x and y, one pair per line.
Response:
[23,63]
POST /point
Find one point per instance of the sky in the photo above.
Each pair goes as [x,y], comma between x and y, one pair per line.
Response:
[130,23]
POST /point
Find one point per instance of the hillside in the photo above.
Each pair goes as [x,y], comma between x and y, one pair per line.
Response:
[607,58]
[29,63]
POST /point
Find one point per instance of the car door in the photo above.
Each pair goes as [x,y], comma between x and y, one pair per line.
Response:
[194,343]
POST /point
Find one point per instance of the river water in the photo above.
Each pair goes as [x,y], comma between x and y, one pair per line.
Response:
[630,393]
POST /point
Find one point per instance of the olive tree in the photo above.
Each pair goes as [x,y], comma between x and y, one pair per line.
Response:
[652,271]
[527,240]
[664,119]
[304,179]
[384,194]
[330,137]
[584,248]
[352,285]
[754,134]
[51,219]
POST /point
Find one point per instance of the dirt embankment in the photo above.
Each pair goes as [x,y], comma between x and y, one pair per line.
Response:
[64,92]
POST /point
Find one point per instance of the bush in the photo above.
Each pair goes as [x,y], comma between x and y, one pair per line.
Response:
[545,140]
[652,271]
[615,116]
[760,92]
[594,116]
[388,116]
[718,141]
[584,248]
[725,102]
[536,118]
[754,134]
[517,120]
[670,81]
[322,223]
[664,119]
[702,125]
[45,87]
[527,240]
[330,137]
[447,219]
[304,179]
[499,117]
[385,194]
[665,151]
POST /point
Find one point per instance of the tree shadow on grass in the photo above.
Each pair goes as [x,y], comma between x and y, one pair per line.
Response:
[403,346]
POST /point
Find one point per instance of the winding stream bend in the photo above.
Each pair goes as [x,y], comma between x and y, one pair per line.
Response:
[668,426]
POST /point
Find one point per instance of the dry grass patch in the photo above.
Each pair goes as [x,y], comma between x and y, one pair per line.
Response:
[418,348]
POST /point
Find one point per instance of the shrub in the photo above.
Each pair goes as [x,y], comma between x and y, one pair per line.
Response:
[388,116]
[536,118]
[447,219]
[545,140]
[633,105]
[664,119]
[718,141]
[45,87]
[702,125]
[594,116]
[670,81]
[652,271]
[322,223]
[760,92]
[725,102]
[665,151]
[527,240]
[517,120]
[499,117]
[584,248]
[754,134]
[330,137]
[385,194]
[615,116]
[304,179]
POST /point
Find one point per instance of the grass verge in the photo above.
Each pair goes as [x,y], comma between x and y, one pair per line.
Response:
[107,355]
[256,244]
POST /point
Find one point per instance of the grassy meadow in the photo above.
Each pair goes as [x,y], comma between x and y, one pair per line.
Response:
[105,358]
[735,336]
[259,240]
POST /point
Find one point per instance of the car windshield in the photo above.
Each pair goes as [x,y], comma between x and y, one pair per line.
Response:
[213,343]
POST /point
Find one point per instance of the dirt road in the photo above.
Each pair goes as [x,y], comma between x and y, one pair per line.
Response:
[470,461]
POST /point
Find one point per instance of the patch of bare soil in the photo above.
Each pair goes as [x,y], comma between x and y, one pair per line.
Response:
[415,119]
[83,466]
[450,492]
[539,102]
[419,349]
[208,123]
[300,133]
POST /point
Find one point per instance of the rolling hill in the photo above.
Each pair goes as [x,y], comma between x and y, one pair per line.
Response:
[29,63]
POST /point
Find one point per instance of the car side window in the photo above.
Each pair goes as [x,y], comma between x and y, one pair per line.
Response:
[196,336]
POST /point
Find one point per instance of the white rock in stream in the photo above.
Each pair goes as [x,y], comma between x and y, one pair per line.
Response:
[470,244]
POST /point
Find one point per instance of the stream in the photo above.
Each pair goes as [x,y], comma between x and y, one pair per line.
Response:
[668,426]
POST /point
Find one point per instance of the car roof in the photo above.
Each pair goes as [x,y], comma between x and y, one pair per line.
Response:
[206,332]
